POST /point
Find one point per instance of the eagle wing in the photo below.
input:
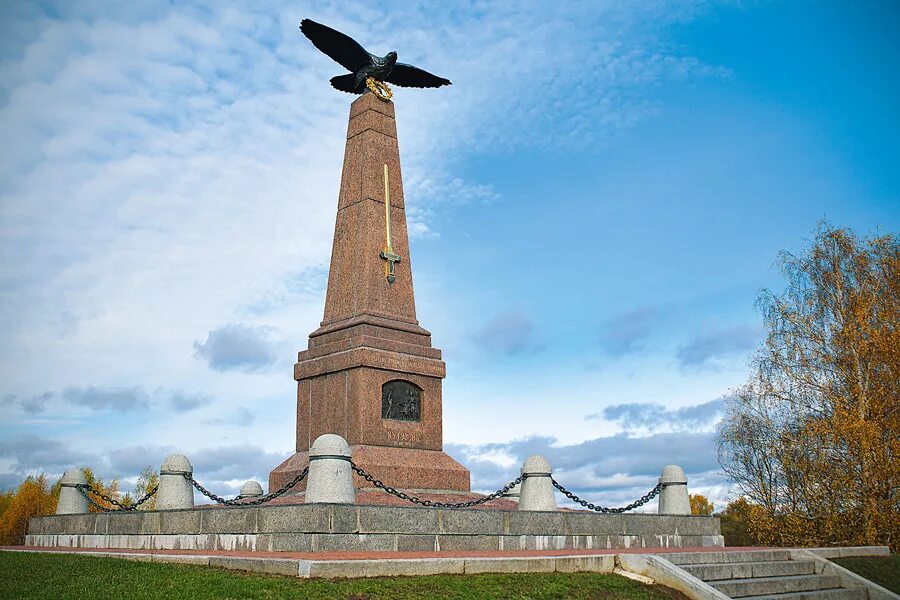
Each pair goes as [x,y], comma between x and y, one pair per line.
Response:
[409,76]
[340,47]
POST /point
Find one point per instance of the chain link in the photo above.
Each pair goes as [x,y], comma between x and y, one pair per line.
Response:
[415,500]
[240,501]
[86,488]
[602,509]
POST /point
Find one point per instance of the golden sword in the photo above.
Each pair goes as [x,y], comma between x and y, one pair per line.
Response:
[388,253]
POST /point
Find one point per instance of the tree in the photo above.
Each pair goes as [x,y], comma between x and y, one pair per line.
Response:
[110,489]
[735,522]
[147,481]
[812,437]
[700,505]
[33,498]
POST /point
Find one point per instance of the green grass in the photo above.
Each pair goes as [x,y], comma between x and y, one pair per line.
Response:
[60,576]
[883,570]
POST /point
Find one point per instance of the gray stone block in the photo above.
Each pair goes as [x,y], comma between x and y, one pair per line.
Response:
[510,565]
[343,518]
[101,523]
[595,524]
[472,521]
[132,542]
[784,567]
[179,522]
[546,542]
[296,518]
[720,571]
[538,522]
[380,568]
[847,551]
[150,523]
[416,543]
[353,542]
[290,542]
[396,519]
[454,543]
[838,594]
[730,556]
[124,523]
[597,563]
[184,559]
[274,566]
[70,524]
[245,542]
[638,524]
[229,520]
[738,588]
[697,525]
[35,526]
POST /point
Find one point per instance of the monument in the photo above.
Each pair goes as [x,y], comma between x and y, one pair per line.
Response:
[368,404]
[370,373]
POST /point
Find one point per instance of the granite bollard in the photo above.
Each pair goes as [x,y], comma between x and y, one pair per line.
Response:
[537,489]
[175,491]
[251,489]
[513,493]
[330,478]
[71,500]
[673,497]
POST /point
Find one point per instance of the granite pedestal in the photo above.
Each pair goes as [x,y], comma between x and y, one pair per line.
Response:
[338,527]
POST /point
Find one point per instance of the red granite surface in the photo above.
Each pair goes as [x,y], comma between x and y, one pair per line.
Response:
[369,334]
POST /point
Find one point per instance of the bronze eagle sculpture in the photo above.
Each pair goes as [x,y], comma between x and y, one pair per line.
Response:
[362,64]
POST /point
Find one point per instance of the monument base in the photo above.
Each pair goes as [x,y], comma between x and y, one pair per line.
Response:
[402,468]
[343,528]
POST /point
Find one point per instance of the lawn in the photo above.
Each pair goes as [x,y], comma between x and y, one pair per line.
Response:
[61,576]
[883,570]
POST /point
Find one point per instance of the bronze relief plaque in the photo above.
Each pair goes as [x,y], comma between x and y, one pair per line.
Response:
[401,401]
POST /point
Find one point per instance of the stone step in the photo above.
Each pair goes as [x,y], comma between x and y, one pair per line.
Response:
[760,586]
[746,570]
[734,556]
[837,594]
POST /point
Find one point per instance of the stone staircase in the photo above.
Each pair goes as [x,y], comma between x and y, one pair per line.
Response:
[764,575]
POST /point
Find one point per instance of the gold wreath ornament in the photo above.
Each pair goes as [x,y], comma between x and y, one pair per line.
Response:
[379,88]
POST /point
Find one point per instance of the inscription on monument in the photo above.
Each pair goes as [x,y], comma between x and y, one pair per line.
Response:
[401,401]
[404,438]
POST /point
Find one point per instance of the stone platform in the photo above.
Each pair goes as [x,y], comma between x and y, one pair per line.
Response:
[369,528]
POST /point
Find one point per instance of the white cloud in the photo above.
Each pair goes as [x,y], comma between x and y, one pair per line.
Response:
[170,169]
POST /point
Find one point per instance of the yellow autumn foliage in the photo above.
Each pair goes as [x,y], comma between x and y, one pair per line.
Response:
[813,439]
[700,505]
[34,497]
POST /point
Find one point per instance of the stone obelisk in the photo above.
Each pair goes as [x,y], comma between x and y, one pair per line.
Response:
[370,373]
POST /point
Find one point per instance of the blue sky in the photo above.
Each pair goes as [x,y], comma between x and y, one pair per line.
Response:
[595,204]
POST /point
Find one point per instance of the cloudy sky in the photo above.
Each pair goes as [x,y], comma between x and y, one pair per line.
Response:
[595,204]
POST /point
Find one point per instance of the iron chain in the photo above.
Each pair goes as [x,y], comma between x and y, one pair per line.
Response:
[86,488]
[602,509]
[240,501]
[415,500]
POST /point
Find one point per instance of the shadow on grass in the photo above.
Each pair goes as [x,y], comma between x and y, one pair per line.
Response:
[883,570]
